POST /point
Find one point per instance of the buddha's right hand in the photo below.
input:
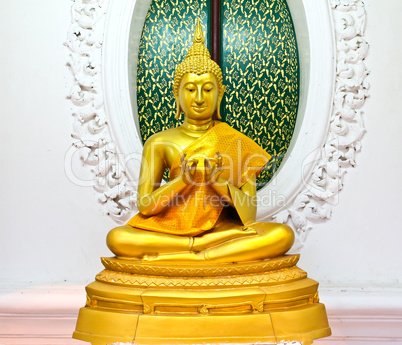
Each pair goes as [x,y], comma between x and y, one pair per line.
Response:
[212,172]
[188,169]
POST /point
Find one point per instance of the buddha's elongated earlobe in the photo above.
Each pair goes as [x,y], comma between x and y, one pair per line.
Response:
[178,110]
[218,110]
[218,106]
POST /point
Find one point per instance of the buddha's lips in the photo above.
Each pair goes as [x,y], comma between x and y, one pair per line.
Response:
[199,109]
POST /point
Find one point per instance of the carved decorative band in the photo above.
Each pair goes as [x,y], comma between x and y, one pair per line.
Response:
[216,270]
[113,304]
[204,309]
[198,308]
[121,278]
[289,302]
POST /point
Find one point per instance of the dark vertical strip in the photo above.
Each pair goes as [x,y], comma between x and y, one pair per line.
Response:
[222,56]
[221,42]
[215,30]
[208,28]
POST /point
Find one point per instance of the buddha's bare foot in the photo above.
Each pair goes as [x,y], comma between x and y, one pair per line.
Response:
[249,230]
[214,238]
[176,257]
[149,258]
[128,258]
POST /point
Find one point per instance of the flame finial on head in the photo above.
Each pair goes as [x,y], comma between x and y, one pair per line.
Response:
[198,35]
[198,47]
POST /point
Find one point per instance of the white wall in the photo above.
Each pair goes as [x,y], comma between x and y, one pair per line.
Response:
[361,245]
[53,231]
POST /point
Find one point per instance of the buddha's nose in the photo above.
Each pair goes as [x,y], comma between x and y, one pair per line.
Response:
[199,99]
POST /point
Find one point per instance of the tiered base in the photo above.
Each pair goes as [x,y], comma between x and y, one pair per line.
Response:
[263,301]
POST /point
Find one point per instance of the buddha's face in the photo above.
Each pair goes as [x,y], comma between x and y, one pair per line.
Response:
[198,95]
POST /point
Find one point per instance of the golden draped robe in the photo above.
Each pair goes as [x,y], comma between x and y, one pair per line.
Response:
[198,206]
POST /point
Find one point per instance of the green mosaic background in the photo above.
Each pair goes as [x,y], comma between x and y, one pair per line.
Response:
[259,62]
[260,68]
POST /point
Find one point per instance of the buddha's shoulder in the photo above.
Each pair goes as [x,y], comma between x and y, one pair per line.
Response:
[163,136]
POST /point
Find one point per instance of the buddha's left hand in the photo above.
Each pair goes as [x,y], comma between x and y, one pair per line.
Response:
[212,172]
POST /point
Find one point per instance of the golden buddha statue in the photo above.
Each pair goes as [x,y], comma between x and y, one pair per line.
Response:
[211,165]
[194,266]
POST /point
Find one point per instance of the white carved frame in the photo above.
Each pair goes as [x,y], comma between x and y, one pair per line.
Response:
[329,128]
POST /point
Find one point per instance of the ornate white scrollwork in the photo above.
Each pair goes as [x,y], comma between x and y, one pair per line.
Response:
[94,124]
[343,141]
[91,134]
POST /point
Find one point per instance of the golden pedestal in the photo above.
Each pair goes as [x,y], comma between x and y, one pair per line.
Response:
[262,301]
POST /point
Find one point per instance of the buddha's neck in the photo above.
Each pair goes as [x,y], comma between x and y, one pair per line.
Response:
[196,127]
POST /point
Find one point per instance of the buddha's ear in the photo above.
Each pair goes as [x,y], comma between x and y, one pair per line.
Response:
[178,109]
[218,110]
[223,91]
[218,107]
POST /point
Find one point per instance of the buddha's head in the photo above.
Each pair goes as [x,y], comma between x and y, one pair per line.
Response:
[198,85]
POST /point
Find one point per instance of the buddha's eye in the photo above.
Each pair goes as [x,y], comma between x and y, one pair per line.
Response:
[190,89]
[208,89]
